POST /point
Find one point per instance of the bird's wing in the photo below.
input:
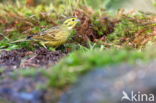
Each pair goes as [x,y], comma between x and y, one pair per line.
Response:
[47,35]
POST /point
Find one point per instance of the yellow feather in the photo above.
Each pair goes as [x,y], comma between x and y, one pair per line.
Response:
[56,36]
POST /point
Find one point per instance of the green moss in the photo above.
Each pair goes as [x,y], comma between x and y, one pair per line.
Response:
[125,28]
[80,62]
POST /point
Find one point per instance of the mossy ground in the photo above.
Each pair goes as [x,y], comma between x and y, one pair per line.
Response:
[100,40]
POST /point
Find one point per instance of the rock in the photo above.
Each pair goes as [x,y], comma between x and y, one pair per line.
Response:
[22,97]
[23,89]
[111,85]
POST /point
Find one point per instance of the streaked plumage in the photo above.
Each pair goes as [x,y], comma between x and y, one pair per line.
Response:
[55,36]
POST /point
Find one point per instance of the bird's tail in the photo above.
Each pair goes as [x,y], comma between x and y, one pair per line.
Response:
[29,38]
[18,41]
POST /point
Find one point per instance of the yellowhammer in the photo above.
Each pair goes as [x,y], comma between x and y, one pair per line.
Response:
[55,36]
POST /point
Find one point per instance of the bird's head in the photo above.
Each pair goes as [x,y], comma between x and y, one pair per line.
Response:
[71,23]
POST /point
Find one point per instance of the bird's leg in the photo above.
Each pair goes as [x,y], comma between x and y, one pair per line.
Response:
[43,44]
[61,47]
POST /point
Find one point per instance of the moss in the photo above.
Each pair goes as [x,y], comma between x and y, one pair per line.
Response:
[123,29]
[80,62]
[132,32]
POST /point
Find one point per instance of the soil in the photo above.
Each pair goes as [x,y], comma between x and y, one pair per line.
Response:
[20,88]
[23,58]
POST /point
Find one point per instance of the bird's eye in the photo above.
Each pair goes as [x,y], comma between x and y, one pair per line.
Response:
[73,20]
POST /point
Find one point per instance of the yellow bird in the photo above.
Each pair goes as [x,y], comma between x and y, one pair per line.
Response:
[55,36]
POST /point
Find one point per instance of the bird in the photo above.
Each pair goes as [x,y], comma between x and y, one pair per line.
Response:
[55,36]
